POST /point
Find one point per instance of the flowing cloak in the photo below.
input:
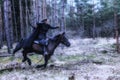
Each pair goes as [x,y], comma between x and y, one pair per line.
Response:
[41,30]
[29,41]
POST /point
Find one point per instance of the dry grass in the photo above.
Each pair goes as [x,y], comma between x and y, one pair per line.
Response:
[86,59]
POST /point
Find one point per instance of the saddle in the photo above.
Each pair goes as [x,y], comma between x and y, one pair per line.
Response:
[40,45]
[43,42]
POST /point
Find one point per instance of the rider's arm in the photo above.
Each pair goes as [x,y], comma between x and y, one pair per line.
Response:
[51,27]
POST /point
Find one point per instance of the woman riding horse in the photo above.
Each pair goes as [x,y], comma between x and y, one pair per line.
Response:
[44,27]
[43,31]
[39,34]
[52,45]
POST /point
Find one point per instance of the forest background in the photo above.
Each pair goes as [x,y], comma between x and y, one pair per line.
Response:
[81,18]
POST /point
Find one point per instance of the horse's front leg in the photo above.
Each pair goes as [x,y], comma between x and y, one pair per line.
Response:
[46,58]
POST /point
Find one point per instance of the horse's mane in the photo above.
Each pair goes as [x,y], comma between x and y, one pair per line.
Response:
[58,34]
[55,37]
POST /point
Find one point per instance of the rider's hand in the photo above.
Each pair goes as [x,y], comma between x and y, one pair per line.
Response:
[58,26]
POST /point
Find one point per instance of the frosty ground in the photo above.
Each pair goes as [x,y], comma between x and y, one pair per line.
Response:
[86,59]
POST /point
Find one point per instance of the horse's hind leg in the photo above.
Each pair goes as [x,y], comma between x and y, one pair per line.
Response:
[26,58]
[18,47]
[29,61]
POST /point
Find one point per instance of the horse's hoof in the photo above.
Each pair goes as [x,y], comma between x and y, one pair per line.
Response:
[43,68]
[30,64]
[39,66]
[52,65]
[13,55]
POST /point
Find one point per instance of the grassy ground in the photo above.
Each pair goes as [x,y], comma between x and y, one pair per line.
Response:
[86,59]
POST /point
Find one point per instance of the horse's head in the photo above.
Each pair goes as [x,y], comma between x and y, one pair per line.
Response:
[62,39]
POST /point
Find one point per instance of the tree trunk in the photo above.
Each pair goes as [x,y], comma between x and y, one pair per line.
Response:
[55,19]
[6,24]
[116,30]
[44,9]
[63,18]
[93,22]
[39,10]
[35,19]
[52,13]
[21,19]
[26,18]
[93,26]
[10,24]
[117,40]
[81,23]
[15,21]
[1,29]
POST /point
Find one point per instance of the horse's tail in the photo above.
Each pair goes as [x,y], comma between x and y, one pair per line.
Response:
[18,46]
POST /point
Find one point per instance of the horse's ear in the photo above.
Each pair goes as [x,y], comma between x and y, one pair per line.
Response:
[37,23]
[63,33]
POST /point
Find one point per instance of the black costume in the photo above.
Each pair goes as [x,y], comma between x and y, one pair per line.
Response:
[44,27]
[29,41]
[39,34]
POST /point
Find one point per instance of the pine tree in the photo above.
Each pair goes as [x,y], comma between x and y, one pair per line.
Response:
[116,26]
[1,28]
[6,24]
[21,19]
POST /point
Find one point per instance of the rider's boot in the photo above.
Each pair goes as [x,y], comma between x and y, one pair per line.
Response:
[45,48]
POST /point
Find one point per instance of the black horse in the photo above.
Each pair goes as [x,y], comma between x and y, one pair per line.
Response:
[52,45]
